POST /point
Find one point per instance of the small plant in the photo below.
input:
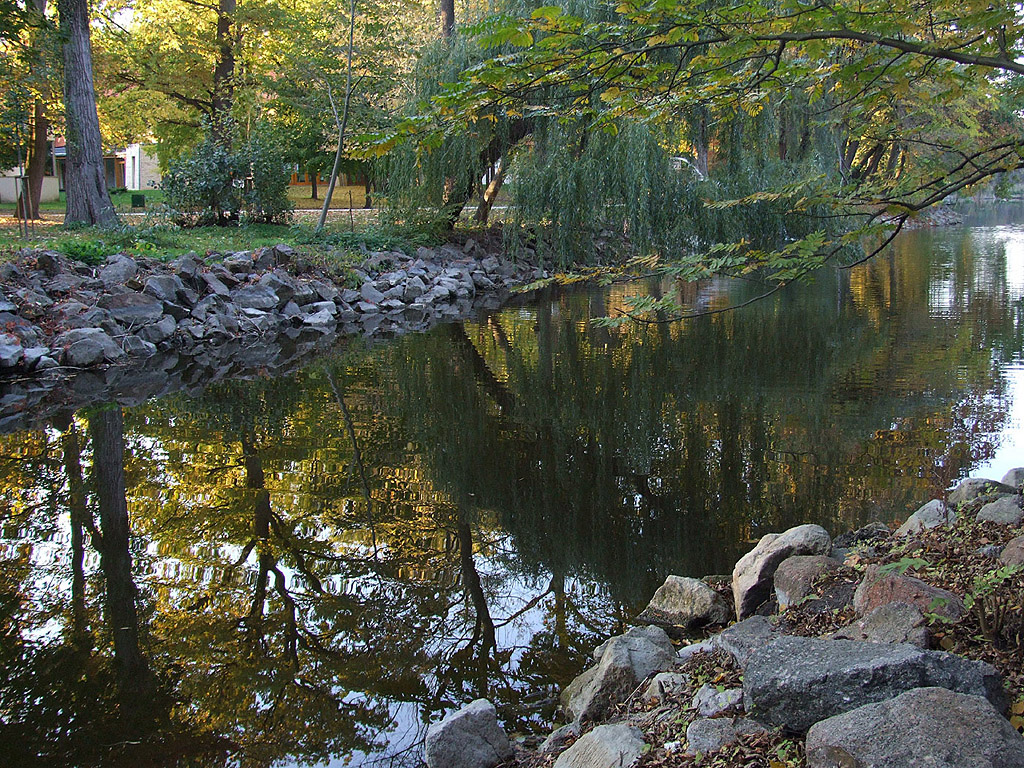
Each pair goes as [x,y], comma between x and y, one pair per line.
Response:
[993,599]
[904,564]
[88,250]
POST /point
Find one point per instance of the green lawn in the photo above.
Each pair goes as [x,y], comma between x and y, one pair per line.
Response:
[342,241]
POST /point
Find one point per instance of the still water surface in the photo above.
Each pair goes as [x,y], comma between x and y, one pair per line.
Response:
[308,570]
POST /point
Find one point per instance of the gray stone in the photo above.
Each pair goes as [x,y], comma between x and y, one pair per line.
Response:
[889,623]
[753,574]
[709,701]
[259,297]
[6,305]
[1013,552]
[87,346]
[120,269]
[878,588]
[370,294]
[239,263]
[1014,478]
[281,284]
[796,575]
[215,284]
[33,356]
[923,727]
[973,487]
[931,515]
[467,738]
[132,308]
[186,266]
[135,345]
[556,740]
[666,684]
[607,746]
[796,681]
[367,308]
[11,351]
[320,319]
[687,651]
[1004,510]
[685,602]
[710,735]
[167,288]
[325,290]
[414,288]
[744,637]
[158,331]
[625,661]
[306,294]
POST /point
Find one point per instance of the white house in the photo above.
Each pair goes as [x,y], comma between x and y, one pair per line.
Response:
[141,169]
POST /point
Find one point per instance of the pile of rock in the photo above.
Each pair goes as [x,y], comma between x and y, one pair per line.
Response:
[869,695]
[58,312]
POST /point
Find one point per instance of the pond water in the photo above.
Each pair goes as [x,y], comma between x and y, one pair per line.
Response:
[309,569]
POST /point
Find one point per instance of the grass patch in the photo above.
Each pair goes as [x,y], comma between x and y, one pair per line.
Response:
[153,237]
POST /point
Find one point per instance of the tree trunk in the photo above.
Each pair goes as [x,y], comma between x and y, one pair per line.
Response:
[135,682]
[84,178]
[37,158]
[224,74]
[312,184]
[483,211]
[447,15]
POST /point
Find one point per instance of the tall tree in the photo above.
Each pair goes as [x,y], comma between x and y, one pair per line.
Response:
[88,201]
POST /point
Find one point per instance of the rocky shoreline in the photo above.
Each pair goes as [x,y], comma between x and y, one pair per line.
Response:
[135,328]
[816,652]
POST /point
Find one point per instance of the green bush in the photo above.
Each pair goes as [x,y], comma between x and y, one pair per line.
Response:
[215,185]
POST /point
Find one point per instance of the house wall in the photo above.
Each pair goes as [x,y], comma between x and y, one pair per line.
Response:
[141,168]
[9,186]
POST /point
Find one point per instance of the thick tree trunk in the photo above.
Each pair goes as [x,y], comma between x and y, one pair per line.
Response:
[224,73]
[84,178]
[312,184]
[135,682]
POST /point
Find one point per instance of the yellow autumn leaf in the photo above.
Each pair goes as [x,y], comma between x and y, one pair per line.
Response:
[1018,707]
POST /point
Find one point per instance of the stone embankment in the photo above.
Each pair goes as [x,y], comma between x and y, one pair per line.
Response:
[134,328]
[838,658]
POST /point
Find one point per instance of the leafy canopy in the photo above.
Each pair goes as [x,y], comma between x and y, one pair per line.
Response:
[860,115]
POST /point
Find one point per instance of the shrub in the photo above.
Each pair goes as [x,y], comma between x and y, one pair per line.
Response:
[215,185]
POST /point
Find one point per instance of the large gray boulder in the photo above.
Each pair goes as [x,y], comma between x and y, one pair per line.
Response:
[931,727]
[624,662]
[879,588]
[930,515]
[1014,478]
[1005,510]
[607,746]
[796,681]
[119,269]
[974,487]
[753,574]
[744,637]
[468,738]
[685,602]
[889,623]
[87,346]
[254,297]
[796,575]
[132,308]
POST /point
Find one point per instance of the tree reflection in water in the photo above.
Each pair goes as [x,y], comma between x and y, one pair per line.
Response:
[319,566]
